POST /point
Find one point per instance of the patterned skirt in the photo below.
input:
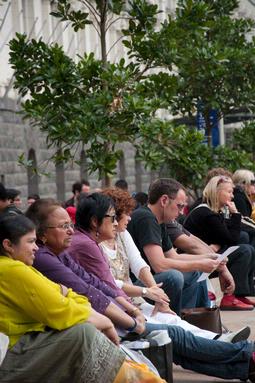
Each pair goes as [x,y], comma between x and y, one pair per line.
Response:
[80,354]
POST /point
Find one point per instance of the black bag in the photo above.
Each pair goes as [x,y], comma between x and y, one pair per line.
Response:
[204,317]
[160,356]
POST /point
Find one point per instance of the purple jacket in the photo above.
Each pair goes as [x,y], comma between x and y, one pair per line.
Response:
[63,269]
[87,253]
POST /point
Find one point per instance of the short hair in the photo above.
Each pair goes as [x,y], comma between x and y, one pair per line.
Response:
[13,228]
[3,192]
[243,177]
[161,186]
[141,198]
[33,196]
[96,206]
[39,212]
[77,186]
[123,202]
[211,191]
[85,182]
[121,184]
[12,193]
[217,172]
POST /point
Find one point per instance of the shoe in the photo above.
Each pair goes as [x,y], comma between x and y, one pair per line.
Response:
[236,336]
[230,302]
[247,301]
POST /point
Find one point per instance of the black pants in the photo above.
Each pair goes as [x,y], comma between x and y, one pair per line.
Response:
[241,264]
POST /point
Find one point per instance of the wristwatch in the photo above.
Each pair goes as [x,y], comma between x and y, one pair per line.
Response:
[144,292]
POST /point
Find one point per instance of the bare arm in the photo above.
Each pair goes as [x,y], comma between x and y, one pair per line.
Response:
[171,260]
[192,245]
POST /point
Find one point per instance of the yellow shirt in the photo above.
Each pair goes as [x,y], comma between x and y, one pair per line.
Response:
[30,302]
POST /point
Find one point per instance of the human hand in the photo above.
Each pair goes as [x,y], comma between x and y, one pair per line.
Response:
[232,207]
[111,334]
[227,283]
[215,247]
[163,308]
[155,293]
[208,265]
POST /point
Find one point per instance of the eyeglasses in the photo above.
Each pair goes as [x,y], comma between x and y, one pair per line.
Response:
[113,217]
[64,226]
[180,206]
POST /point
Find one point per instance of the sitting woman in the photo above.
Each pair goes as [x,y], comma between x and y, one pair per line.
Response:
[54,233]
[96,222]
[52,338]
[218,223]
[244,192]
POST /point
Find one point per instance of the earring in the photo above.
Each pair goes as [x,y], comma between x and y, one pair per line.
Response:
[44,241]
[97,233]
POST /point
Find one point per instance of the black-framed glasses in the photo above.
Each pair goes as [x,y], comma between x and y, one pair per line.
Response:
[113,217]
[64,226]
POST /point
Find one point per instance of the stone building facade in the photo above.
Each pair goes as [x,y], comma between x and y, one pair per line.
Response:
[16,137]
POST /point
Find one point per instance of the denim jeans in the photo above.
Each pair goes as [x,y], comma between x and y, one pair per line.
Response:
[182,289]
[205,356]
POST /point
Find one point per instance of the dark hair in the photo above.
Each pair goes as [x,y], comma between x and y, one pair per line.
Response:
[85,182]
[121,184]
[13,228]
[162,186]
[33,196]
[12,193]
[95,205]
[141,198]
[77,186]
[39,211]
[3,192]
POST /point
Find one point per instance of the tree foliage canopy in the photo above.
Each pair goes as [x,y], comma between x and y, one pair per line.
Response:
[203,55]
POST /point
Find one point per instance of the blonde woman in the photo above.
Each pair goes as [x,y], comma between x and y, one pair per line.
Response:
[218,223]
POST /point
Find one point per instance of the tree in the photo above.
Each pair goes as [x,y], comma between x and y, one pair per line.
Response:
[100,104]
[93,102]
[206,52]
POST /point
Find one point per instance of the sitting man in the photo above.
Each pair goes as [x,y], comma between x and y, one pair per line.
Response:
[186,242]
[179,273]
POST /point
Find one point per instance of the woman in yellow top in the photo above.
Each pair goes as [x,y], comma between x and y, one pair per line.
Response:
[52,337]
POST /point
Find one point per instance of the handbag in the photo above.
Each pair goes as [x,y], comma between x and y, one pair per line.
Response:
[157,347]
[207,318]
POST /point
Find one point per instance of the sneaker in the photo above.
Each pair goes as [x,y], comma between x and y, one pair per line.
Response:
[247,301]
[230,302]
[236,336]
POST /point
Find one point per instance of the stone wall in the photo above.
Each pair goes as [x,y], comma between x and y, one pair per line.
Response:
[17,137]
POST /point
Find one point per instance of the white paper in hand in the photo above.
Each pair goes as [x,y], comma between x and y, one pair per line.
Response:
[220,258]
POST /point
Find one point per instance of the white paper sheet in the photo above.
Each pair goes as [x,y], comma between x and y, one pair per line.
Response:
[220,258]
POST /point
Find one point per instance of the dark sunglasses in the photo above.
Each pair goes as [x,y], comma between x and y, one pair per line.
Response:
[223,179]
[113,217]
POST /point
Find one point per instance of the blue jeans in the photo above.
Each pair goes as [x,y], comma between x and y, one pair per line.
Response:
[205,356]
[182,289]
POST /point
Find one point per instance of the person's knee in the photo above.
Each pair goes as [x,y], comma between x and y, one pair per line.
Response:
[82,333]
[174,278]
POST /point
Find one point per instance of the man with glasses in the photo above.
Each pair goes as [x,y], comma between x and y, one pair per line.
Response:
[178,272]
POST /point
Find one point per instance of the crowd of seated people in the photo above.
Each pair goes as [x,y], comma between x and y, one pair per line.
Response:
[76,299]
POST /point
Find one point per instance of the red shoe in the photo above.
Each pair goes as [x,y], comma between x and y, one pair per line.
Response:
[211,296]
[230,302]
[247,301]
